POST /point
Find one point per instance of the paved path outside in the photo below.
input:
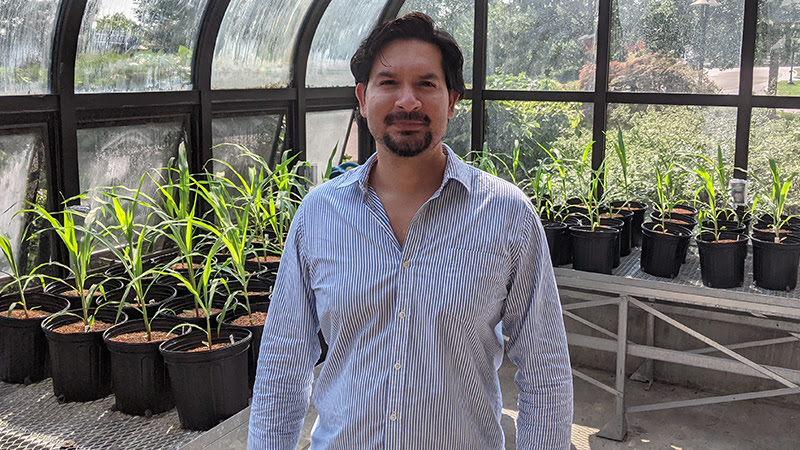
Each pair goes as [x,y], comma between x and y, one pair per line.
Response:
[728,80]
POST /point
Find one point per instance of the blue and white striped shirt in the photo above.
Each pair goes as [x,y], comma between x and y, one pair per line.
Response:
[415,332]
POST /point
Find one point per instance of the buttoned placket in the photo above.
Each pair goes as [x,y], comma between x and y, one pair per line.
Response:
[402,310]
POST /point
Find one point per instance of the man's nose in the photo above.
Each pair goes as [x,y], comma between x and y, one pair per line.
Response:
[407,99]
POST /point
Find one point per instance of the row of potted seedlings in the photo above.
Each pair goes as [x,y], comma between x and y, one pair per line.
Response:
[165,331]
[592,233]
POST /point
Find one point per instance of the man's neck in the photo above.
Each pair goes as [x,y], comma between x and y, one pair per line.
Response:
[420,175]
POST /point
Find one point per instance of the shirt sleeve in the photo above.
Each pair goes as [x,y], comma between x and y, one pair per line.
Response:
[289,349]
[538,345]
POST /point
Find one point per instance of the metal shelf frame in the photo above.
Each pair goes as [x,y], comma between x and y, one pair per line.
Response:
[662,300]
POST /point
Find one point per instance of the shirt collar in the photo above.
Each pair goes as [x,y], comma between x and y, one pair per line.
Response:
[455,169]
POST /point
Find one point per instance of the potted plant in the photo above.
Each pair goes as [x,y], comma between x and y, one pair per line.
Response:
[595,246]
[556,219]
[629,201]
[208,366]
[775,253]
[141,381]
[664,243]
[231,228]
[23,347]
[722,253]
[81,365]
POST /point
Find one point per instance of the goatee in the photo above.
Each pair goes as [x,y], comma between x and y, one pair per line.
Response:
[409,146]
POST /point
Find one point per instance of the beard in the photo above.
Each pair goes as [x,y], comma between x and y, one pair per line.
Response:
[408,144]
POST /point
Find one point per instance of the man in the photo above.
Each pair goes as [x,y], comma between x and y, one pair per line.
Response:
[414,266]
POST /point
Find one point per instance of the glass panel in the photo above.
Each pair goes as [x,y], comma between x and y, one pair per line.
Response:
[777,49]
[774,134]
[340,31]
[565,62]
[677,134]
[137,45]
[326,131]
[676,46]
[22,155]
[26,39]
[255,44]
[120,156]
[457,17]
[256,133]
[564,126]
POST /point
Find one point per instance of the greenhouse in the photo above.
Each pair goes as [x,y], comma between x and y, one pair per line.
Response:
[157,153]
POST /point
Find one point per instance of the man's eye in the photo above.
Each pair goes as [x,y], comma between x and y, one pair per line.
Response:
[386,82]
[428,84]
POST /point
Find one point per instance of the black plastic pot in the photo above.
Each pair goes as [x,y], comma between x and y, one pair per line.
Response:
[775,264]
[81,363]
[638,209]
[208,386]
[23,346]
[593,251]
[111,286]
[618,225]
[556,233]
[257,331]
[141,381]
[663,250]
[157,295]
[722,263]
[626,216]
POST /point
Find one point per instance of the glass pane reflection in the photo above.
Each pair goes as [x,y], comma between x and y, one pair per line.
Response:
[256,133]
[679,46]
[777,48]
[26,38]
[22,155]
[255,44]
[137,45]
[546,46]
[326,131]
[340,31]
[120,156]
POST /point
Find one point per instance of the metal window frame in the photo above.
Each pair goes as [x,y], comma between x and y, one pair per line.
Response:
[64,111]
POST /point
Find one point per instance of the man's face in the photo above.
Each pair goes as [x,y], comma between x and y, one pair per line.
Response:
[407,104]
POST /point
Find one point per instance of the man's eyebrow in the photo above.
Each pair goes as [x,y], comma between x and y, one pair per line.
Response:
[390,74]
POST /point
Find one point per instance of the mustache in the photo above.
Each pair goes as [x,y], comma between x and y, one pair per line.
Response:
[406,115]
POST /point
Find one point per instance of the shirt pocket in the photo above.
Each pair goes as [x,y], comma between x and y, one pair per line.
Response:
[475,285]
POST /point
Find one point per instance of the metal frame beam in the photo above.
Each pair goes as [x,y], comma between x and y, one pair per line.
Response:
[302,50]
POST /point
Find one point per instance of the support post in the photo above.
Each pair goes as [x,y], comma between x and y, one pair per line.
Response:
[617,428]
[645,371]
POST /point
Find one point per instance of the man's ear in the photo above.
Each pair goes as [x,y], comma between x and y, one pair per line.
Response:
[361,90]
[451,109]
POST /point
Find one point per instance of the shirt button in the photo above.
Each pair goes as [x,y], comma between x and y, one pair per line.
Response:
[392,417]
[406,265]
[402,314]
[397,366]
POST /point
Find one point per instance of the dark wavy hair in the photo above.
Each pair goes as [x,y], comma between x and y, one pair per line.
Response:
[414,25]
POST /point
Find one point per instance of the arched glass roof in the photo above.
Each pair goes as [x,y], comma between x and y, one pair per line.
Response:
[97,91]
[255,44]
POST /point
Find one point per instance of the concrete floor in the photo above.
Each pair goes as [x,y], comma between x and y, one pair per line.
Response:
[745,424]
